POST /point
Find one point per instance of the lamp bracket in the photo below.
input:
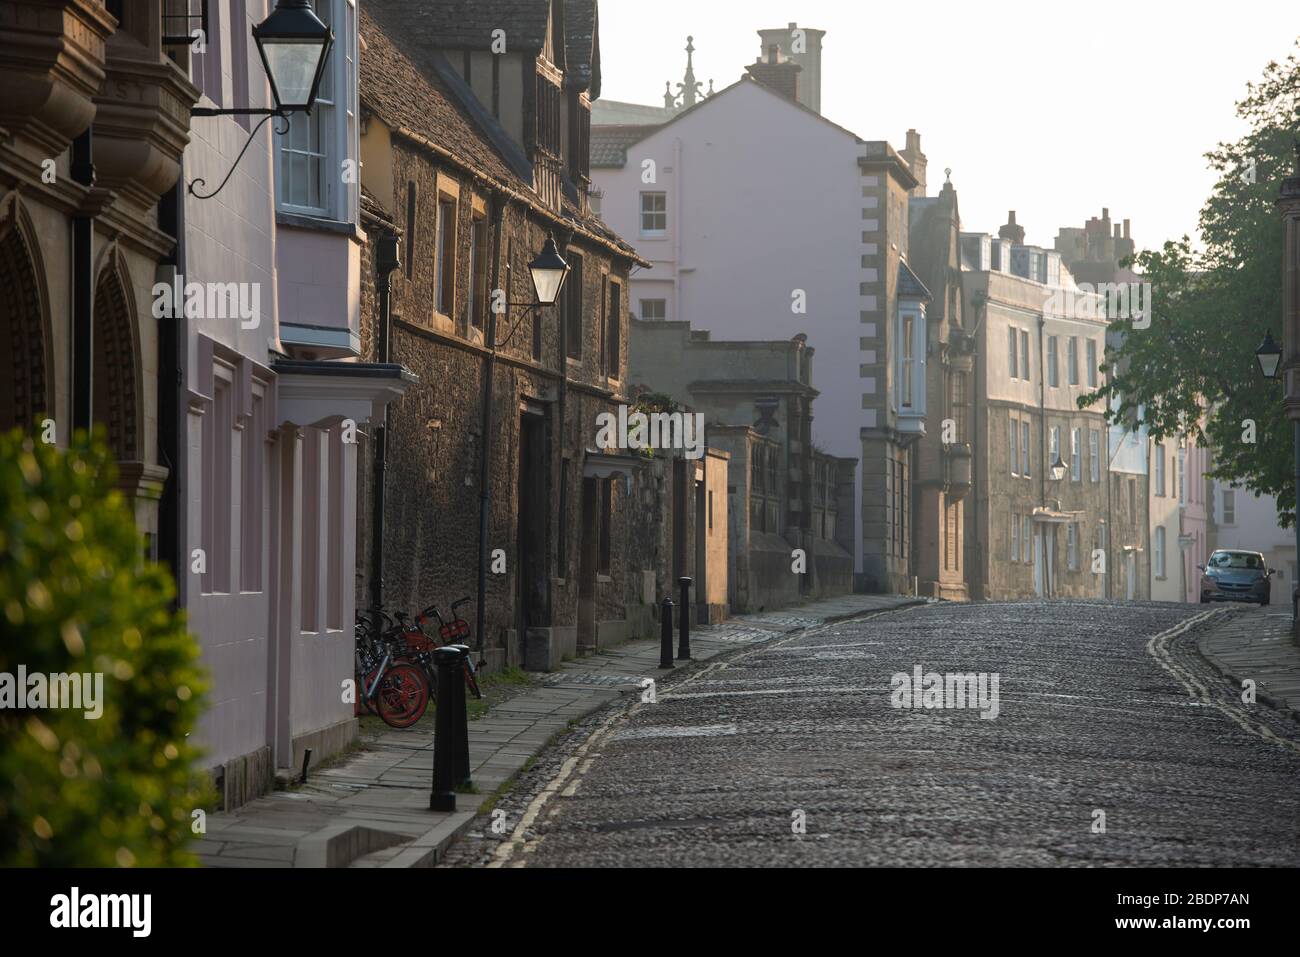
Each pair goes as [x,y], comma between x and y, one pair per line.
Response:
[527,307]
[199,181]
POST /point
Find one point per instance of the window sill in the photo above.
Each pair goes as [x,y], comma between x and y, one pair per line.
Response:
[603,579]
[320,225]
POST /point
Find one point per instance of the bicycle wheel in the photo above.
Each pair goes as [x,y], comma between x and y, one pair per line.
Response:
[402,696]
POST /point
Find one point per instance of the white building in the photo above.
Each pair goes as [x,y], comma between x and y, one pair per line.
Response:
[1242,519]
[764,220]
[264,530]
[1165,517]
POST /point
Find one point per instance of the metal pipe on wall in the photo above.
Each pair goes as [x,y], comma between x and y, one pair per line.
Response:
[485,445]
[83,288]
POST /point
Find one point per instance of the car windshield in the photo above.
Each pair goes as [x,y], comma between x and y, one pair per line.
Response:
[1235,560]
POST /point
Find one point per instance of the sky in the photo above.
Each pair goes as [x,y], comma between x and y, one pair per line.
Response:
[1052,109]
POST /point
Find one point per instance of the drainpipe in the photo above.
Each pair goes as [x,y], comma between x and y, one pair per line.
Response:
[485,447]
[562,240]
[83,287]
[171,381]
[387,258]
[678,242]
[1042,445]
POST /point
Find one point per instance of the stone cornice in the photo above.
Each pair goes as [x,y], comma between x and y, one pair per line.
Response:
[52,58]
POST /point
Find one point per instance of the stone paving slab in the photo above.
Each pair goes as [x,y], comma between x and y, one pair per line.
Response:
[372,809]
[1257,645]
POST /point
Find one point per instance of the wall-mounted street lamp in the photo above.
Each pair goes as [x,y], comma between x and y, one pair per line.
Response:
[549,272]
[1057,469]
[294,44]
[1269,355]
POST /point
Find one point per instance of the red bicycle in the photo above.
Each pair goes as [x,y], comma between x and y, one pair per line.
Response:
[453,632]
[388,683]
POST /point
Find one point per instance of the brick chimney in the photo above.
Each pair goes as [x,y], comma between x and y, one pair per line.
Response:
[777,73]
[1012,231]
[803,45]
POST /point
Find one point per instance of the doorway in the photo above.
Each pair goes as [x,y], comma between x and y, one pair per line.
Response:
[1038,563]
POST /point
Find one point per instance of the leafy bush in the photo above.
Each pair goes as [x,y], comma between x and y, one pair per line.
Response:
[77,596]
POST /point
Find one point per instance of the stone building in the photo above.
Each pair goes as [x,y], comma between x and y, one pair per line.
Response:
[1029,533]
[942,475]
[1094,256]
[836,267]
[94,117]
[211,269]
[472,159]
[782,492]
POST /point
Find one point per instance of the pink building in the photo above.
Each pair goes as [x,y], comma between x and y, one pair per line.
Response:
[260,515]
[1191,463]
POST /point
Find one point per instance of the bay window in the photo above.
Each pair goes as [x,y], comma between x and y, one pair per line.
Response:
[318,159]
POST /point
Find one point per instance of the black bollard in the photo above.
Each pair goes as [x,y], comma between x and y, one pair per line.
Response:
[461,746]
[684,630]
[666,634]
[443,795]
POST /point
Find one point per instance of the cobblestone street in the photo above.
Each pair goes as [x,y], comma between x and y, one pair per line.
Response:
[1102,709]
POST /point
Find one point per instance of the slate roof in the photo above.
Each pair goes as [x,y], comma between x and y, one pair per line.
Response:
[468,24]
[409,84]
[609,144]
[582,48]
[909,286]
[404,89]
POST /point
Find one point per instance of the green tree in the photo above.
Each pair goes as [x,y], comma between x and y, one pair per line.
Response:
[77,596]
[1211,307]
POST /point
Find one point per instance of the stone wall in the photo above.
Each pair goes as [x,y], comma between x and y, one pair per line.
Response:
[435,438]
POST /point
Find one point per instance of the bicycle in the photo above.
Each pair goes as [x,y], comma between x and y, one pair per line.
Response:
[387,683]
[454,632]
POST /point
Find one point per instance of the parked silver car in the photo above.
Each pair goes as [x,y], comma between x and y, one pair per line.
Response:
[1232,575]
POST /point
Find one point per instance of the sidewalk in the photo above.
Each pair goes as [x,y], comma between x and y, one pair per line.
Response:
[371,809]
[1257,644]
